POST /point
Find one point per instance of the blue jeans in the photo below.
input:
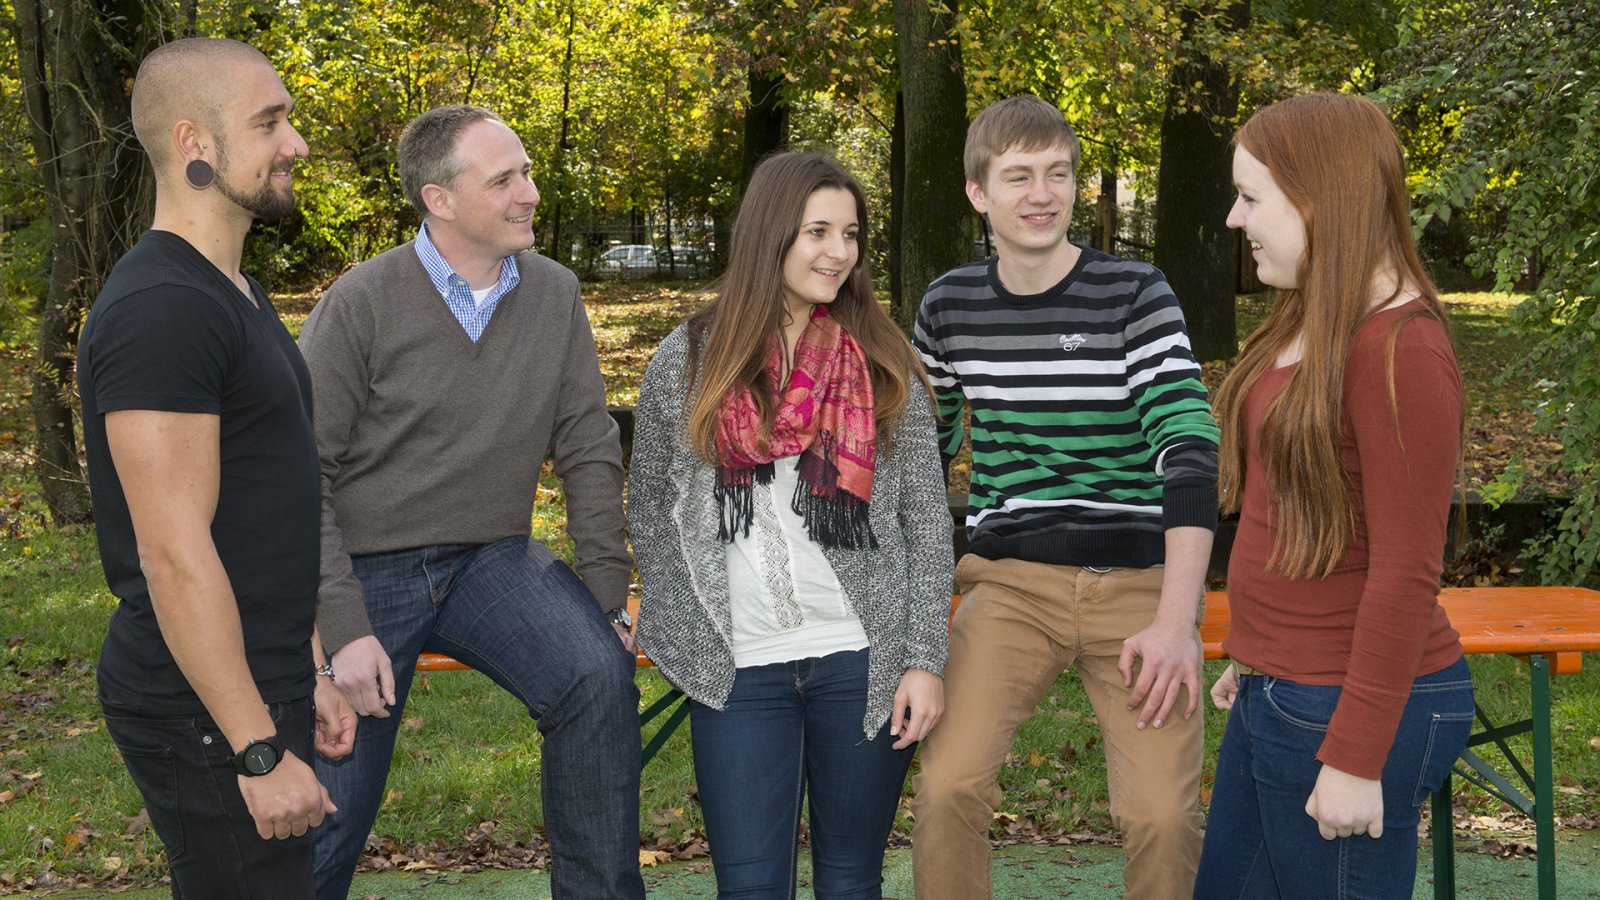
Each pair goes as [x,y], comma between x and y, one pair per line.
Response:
[180,765]
[1259,841]
[788,730]
[514,612]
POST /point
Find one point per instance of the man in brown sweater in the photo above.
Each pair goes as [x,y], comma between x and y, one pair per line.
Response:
[444,372]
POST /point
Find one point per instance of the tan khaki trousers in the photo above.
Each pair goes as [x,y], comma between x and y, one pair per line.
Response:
[1020,624]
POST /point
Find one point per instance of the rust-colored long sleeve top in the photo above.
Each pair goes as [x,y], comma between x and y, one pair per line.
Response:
[1374,625]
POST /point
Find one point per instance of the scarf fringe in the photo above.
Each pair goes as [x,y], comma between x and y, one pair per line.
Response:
[735,502]
[834,518]
[842,523]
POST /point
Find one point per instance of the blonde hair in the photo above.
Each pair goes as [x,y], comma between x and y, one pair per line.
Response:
[1024,123]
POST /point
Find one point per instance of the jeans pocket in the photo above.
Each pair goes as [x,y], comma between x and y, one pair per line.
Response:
[154,769]
[1447,737]
[1304,705]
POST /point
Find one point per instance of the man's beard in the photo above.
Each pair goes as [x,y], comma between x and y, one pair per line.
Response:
[266,204]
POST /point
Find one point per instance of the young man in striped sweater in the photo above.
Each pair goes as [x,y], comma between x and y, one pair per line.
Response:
[1091,514]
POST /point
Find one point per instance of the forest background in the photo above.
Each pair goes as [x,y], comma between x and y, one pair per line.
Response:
[644,118]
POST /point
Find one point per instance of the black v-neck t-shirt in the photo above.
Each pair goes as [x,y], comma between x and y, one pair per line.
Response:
[170,332]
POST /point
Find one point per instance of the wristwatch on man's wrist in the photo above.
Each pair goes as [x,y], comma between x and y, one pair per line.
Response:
[258,757]
[619,616]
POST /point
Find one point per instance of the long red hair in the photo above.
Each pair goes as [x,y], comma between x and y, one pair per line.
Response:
[1339,162]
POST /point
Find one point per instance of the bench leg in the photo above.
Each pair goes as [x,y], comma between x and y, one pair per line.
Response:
[1444,842]
[1544,811]
[662,704]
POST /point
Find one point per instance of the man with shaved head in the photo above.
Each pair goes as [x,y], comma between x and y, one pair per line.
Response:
[446,371]
[203,471]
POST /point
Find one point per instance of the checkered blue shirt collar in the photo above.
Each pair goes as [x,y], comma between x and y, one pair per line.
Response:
[455,290]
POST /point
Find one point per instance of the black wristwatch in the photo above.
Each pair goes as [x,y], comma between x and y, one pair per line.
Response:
[258,757]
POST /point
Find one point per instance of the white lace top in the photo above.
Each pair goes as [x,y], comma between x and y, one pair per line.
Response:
[786,602]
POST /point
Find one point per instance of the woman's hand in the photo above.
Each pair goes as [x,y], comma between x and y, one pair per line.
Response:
[918,704]
[1345,804]
[1225,688]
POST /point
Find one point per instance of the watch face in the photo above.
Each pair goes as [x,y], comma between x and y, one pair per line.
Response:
[260,757]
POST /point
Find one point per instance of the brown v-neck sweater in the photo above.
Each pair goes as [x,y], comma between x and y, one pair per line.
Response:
[429,438]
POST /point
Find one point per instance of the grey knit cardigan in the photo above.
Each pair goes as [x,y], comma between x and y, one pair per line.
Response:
[900,591]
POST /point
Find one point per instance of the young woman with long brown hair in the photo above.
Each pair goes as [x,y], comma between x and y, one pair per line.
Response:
[789,519]
[1341,424]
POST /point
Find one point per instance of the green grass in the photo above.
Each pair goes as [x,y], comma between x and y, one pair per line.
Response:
[469,754]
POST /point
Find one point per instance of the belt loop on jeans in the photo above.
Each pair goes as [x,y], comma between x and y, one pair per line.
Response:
[1246,668]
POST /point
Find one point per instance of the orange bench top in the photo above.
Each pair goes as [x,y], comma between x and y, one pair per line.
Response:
[1560,622]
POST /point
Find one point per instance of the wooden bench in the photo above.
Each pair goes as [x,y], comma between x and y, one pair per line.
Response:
[1550,628]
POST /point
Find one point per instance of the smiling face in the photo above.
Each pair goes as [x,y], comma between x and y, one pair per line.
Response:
[1028,197]
[489,207]
[1275,229]
[823,253]
[256,147]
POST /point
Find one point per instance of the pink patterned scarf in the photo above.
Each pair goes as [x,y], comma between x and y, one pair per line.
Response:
[825,413]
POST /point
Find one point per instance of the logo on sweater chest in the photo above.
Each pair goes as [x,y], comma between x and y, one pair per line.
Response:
[1071,342]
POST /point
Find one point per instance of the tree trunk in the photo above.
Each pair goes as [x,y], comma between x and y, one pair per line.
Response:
[558,165]
[1194,246]
[1106,208]
[934,234]
[766,122]
[77,60]
[897,200]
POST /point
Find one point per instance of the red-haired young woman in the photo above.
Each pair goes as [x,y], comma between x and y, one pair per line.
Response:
[1341,423]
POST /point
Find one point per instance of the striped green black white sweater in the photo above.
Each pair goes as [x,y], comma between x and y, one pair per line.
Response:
[1091,432]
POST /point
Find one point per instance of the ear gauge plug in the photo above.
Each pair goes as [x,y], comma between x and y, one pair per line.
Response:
[199,174]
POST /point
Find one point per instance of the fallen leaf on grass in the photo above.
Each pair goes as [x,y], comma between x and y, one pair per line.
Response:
[1507,849]
[419,865]
[651,857]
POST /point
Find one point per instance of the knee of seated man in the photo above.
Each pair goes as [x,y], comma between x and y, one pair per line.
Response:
[605,672]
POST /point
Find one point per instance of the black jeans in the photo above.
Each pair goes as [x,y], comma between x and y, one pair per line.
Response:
[180,765]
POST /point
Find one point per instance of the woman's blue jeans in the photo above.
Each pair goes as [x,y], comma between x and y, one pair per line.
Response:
[793,730]
[1259,841]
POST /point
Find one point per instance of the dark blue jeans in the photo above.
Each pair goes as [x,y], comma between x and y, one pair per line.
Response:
[1259,841]
[789,731]
[180,765]
[514,612]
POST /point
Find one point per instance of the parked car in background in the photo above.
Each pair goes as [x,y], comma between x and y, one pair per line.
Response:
[643,259]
